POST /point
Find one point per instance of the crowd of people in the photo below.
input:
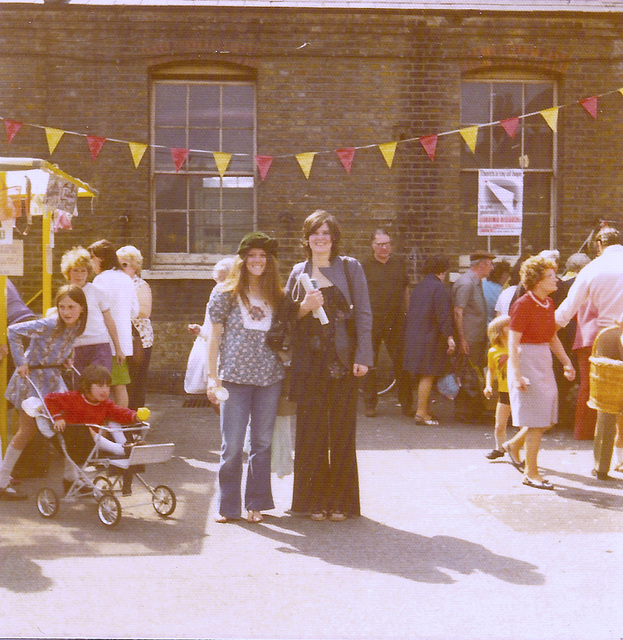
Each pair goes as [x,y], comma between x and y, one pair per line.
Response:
[317,340]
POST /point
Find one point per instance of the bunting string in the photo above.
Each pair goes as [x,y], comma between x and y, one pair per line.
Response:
[346,155]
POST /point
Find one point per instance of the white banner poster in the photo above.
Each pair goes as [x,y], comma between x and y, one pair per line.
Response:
[500,202]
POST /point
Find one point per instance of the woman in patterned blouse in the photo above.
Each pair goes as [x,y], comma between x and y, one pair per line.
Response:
[241,311]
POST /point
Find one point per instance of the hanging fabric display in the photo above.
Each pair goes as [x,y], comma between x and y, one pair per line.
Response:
[61,198]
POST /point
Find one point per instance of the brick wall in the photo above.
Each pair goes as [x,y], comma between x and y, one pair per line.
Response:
[325,80]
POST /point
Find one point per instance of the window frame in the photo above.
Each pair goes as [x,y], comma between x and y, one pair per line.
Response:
[509,76]
[186,75]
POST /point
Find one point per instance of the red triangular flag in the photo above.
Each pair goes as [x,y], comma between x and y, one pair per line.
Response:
[11,127]
[510,126]
[263,165]
[346,157]
[95,145]
[430,145]
[179,156]
[590,104]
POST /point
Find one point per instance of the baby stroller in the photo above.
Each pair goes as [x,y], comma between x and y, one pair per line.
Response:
[97,474]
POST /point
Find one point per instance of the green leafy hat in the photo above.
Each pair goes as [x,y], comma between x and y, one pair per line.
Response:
[258,240]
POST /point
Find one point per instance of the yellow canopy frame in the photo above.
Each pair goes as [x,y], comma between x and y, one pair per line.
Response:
[38,173]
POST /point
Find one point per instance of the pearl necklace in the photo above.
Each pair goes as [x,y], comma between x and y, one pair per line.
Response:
[541,304]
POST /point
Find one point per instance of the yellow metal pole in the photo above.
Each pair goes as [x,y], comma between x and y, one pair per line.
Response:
[4,433]
[46,262]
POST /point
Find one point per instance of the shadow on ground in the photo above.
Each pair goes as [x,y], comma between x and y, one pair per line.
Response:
[367,545]
[76,531]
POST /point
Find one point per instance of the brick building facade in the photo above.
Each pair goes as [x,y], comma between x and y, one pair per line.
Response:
[315,80]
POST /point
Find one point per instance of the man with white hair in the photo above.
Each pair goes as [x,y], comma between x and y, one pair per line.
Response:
[600,283]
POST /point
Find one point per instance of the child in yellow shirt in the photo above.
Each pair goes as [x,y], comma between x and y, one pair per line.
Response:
[497,358]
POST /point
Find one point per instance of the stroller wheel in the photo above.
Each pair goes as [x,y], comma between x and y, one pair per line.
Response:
[47,502]
[163,500]
[109,510]
[102,483]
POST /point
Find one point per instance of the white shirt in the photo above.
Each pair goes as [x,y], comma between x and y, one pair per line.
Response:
[95,332]
[601,283]
[123,303]
[504,300]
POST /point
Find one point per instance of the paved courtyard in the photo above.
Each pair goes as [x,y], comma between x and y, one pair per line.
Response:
[450,546]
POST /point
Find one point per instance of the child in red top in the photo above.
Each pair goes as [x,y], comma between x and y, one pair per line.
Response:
[90,405]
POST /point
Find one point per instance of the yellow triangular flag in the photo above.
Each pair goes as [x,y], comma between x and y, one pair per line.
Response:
[54,136]
[621,91]
[388,149]
[137,149]
[306,160]
[222,161]
[551,117]
[470,135]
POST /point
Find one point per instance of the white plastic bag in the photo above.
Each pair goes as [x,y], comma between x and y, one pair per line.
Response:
[196,379]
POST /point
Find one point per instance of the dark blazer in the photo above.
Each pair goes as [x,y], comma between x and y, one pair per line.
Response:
[360,351]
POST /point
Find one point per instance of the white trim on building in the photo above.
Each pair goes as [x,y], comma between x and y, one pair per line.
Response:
[585,6]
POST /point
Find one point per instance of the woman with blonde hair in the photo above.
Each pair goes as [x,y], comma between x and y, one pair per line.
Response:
[241,311]
[94,345]
[531,382]
[131,261]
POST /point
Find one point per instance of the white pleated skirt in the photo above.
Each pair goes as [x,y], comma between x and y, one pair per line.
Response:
[537,407]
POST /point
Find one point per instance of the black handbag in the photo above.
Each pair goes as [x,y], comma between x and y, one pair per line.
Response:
[470,377]
[278,336]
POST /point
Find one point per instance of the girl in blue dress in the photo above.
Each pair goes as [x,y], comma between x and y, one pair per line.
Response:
[49,349]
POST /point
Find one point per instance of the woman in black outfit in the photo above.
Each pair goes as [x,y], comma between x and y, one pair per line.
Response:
[327,359]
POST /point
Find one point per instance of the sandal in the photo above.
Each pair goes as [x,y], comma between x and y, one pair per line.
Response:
[224,519]
[254,517]
[337,516]
[518,464]
[429,422]
[319,516]
[538,484]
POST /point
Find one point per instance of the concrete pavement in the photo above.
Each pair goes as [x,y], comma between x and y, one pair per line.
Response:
[450,546]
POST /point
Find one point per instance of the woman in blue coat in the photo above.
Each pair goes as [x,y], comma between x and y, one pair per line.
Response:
[428,334]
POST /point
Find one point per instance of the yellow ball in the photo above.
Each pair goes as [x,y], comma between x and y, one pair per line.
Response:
[143,414]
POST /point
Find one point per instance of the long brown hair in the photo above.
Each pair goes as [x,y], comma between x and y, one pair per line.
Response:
[270,281]
[76,294]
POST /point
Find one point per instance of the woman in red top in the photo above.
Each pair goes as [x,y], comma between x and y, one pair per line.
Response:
[531,383]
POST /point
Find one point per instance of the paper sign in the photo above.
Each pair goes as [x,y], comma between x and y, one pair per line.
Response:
[12,258]
[6,232]
[500,202]
[49,254]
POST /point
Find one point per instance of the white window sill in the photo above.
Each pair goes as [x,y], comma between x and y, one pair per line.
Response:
[177,274]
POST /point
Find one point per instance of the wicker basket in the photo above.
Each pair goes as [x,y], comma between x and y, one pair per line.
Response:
[606,385]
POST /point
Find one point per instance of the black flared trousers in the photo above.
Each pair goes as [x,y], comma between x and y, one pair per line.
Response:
[325,463]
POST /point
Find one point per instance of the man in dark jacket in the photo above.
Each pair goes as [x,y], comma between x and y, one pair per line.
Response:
[387,286]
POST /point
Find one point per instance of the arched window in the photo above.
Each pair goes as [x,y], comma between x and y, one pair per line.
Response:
[487,99]
[197,214]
